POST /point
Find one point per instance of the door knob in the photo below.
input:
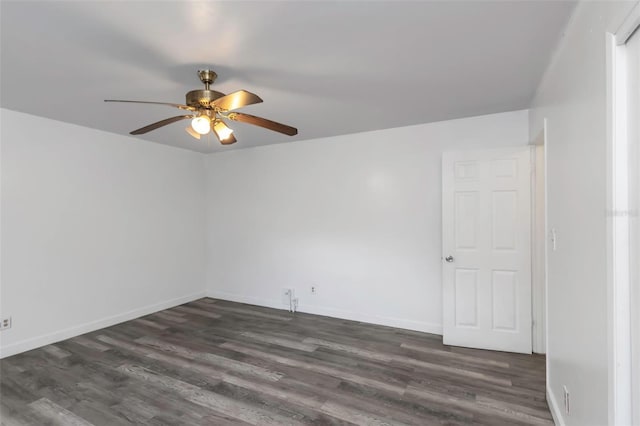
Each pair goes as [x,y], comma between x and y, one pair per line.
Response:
[449,259]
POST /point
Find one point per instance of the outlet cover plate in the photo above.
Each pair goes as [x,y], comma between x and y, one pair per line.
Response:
[5,323]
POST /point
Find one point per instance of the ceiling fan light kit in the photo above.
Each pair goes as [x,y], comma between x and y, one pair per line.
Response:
[209,108]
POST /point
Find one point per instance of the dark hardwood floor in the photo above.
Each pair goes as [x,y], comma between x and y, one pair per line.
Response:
[212,362]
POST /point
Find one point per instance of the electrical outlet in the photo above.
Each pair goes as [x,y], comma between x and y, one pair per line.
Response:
[314,290]
[567,405]
[5,323]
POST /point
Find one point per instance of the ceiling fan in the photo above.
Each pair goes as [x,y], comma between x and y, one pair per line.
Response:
[207,110]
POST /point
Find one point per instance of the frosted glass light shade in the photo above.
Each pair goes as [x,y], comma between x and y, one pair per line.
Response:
[222,130]
[201,124]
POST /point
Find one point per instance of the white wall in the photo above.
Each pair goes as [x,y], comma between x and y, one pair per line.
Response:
[97,228]
[358,216]
[573,98]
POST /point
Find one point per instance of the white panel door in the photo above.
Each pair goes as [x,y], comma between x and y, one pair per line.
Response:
[487,249]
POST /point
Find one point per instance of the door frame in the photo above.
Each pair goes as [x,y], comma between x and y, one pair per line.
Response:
[622,342]
[539,247]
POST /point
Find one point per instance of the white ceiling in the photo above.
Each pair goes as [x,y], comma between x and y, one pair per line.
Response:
[327,68]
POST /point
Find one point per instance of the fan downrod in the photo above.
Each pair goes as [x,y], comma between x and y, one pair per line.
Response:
[207,77]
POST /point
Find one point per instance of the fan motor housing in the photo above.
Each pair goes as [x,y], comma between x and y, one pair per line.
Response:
[202,98]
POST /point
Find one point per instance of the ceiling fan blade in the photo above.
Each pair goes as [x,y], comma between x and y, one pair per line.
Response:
[180,106]
[237,100]
[192,132]
[160,123]
[223,133]
[263,122]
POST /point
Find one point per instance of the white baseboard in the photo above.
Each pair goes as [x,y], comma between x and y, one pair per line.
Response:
[47,339]
[333,312]
[556,413]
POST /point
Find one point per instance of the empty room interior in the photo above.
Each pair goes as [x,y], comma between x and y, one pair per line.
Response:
[320,213]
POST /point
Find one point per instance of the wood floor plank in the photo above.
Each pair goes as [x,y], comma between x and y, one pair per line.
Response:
[249,312]
[197,311]
[312,401]
[237,409]
[150,323]
[472,405]
[210,358]
[81,340]
[454,355]
[316,368]
[56,414]
[357,416]
[215,362]
[384,357]
[169,316]
[280,341]
[56,351]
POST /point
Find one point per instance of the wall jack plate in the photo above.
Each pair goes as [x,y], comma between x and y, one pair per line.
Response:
[5,323]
